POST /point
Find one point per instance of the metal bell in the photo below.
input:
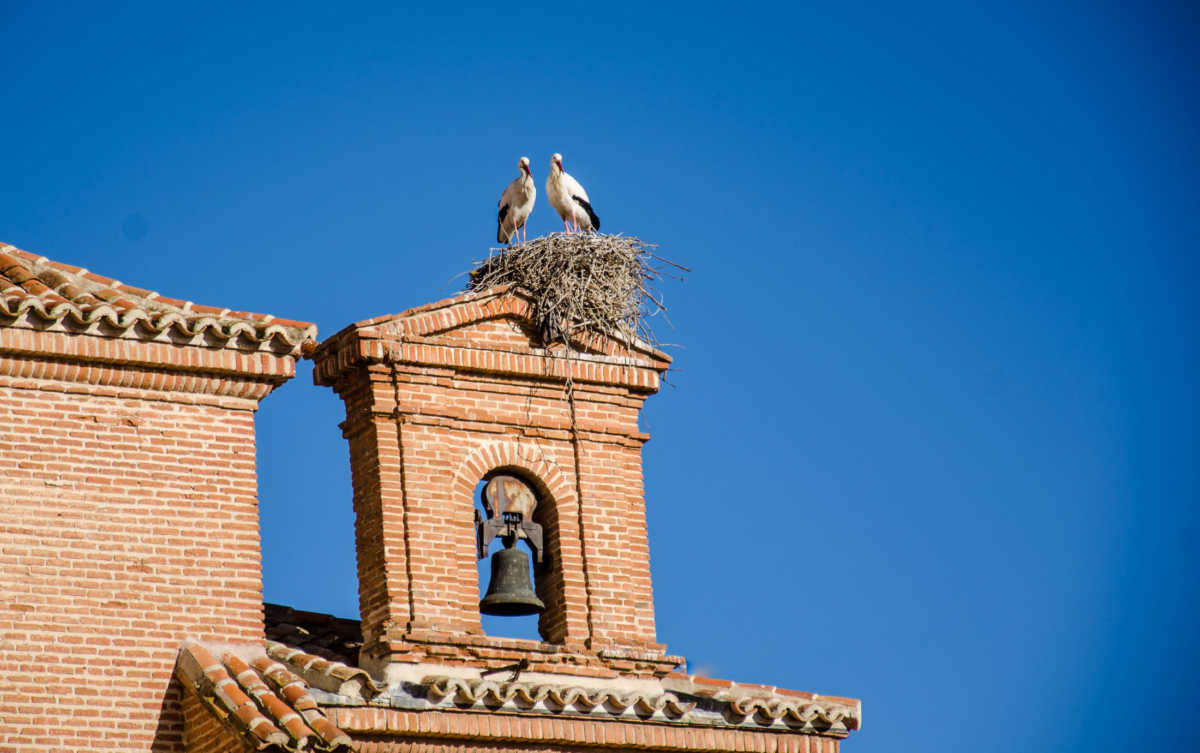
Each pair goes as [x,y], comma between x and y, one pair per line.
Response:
[510,593]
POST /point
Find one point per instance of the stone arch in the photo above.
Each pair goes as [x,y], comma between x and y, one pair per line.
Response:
[554,492]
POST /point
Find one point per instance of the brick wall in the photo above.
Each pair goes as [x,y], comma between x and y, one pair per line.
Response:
[128,522]
[203,732]
[436,399]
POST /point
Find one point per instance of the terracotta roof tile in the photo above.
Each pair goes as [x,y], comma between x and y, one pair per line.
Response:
[684,699]
[333,676]
[680,701]
[748,702]
[245,695]
[49,291]
[296,692]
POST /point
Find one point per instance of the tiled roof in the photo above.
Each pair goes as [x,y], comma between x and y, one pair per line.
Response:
[332,676]
[769,706]
[466,692]
[55,293]
[333,638]
[287,700]
[679,698]
[267,705]
[684,700]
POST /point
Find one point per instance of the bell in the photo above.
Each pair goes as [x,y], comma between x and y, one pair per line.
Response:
[510,593]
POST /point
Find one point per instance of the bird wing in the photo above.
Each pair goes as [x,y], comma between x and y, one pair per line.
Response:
[507,199]
[510,193]
[587,207]
[580,197]
[572,188]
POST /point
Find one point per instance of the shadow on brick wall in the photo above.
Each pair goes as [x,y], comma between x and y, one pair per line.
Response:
[168,734]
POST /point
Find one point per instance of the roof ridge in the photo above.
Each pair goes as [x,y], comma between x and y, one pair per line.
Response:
[70,296]
[676,703]
[462,690]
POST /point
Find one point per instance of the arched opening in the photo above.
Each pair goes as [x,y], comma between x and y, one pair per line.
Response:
[546,576]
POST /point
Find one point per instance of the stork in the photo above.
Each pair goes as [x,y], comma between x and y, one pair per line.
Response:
[569,199]
[516,203]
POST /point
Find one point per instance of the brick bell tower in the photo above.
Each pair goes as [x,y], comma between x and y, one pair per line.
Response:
[442,397]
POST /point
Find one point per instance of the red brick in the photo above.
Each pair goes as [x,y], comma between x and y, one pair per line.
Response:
[130,522]
[420,443]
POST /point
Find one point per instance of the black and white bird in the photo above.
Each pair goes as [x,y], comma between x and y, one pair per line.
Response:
[569,199]
[516,203]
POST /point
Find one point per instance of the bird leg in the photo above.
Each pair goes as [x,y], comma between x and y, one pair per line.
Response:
[566,226]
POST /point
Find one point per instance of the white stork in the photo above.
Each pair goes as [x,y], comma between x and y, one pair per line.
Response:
[569,199]
[516,203]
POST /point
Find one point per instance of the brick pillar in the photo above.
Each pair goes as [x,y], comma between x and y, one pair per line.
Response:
[129,513]
[437,398]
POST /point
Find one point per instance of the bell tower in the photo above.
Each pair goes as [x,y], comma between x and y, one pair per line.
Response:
[444,397]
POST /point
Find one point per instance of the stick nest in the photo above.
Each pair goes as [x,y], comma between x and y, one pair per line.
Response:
[604,283]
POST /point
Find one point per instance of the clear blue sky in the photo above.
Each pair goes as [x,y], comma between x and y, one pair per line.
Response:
[940,342]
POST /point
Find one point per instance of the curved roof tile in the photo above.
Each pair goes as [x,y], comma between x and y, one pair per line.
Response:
[462,691]
[734,705]
[246,697]
[32,285]
[692,700]
[332,676]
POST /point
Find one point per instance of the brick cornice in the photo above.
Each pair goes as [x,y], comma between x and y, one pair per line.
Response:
[384,724]
[172,386]
[412,338]
[586,430]
[115,362]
